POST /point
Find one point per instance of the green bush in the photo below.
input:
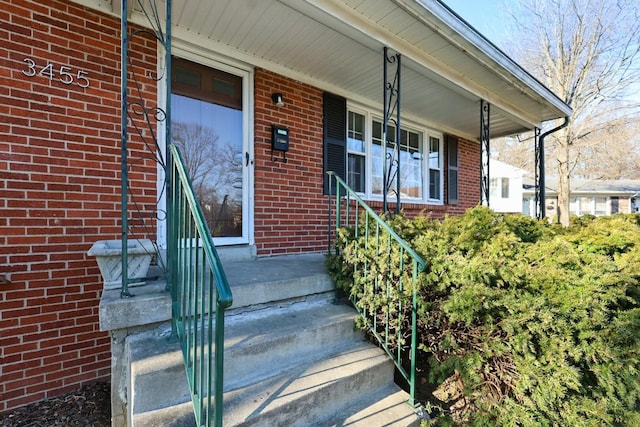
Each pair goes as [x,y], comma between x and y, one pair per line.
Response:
[519,322]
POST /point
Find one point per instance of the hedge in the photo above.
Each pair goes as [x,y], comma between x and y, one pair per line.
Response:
[521,323]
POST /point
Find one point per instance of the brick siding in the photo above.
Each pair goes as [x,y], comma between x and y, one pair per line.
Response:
[60,192]
[290,210]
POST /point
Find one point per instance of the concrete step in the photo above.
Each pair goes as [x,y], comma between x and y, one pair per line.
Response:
[352,385]
[258,344]
[283,278]
[178,415]
[291,358]
[261,343]
[308,393]
[386,406]
[254,283]
[156,374]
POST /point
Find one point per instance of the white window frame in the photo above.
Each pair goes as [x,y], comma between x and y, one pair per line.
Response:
[425,134]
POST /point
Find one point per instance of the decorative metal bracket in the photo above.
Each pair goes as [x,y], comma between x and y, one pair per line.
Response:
[539,176]
[143,119]
[485,137]
[391,161]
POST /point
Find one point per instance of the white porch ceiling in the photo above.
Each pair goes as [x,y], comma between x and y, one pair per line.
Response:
[337,45]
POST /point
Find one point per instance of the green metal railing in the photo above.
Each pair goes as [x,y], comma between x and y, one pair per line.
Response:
[200,294]
[384,290]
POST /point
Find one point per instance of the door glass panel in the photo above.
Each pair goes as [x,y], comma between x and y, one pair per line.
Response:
[209,133]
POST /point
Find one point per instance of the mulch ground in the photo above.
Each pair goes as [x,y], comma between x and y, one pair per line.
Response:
[90,406]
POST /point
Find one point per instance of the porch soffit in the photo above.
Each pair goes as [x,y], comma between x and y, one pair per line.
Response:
[337,45]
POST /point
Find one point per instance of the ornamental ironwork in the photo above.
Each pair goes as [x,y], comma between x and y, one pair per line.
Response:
[485,137]
[391,159]
[141,120]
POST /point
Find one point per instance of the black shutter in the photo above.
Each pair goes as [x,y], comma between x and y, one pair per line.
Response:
[335,137]
[452,169]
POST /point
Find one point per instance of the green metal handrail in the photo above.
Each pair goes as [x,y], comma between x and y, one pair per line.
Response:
[196,279]
[391,302]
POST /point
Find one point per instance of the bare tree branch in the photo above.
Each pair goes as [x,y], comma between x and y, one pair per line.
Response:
[588,53]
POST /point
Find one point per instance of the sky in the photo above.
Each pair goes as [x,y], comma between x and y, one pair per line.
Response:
[486,16]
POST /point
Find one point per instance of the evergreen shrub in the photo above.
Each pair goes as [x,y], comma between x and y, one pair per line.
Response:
[520,323]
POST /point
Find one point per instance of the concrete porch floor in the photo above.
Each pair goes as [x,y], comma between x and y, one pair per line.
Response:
[253,282]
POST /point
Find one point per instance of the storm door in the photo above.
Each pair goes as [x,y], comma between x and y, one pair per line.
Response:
[208,125]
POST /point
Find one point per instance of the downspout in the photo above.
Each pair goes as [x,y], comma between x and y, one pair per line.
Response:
[543,208]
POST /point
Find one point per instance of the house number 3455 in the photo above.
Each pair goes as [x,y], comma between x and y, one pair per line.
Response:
[62,73]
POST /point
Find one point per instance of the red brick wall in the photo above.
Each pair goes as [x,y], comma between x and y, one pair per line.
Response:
[290,210]
[59,192]
[468,175]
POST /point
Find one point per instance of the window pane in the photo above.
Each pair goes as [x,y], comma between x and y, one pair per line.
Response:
[411,165]
[434,168]
[434,153]
[355,133]
[505,188]
[187,77]
[223,87]
[526,206]
[356,172]
[210,138]
[376,158]
[434,184]
[376,130]
[493,188]
[376,168]
[391,135]
[586,205]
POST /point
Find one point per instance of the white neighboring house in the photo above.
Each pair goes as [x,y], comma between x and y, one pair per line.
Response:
[505,187]
[592,196]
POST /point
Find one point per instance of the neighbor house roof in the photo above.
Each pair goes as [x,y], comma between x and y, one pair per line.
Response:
[501,169]
[447,66]
[621,187]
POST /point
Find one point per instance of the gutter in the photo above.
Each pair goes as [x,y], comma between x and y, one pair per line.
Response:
[541,189]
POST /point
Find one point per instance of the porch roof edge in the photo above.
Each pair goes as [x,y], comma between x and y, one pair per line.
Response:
[474,42]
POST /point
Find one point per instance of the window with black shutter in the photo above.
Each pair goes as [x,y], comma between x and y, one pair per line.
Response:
[335,136]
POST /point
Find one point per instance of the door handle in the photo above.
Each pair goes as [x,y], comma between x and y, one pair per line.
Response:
[247,159]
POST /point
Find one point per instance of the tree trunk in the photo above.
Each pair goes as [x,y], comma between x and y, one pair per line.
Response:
[564,189]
